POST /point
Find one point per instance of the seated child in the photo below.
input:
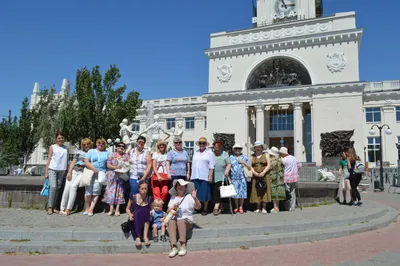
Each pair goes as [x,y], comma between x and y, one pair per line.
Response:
[158,216]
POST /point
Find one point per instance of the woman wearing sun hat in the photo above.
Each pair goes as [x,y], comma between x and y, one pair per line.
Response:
[183,201]
[202,172]
[276,175]
[260,164]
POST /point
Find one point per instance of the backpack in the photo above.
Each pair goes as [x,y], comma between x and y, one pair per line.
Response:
[359,168]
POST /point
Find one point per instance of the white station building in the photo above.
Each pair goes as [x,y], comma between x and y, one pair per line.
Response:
[291,77]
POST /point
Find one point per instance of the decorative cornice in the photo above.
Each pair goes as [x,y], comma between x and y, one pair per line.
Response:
[294,31]
[285,44]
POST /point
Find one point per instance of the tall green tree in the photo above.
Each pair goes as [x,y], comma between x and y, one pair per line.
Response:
[27,139]
[9,147]
[99,105]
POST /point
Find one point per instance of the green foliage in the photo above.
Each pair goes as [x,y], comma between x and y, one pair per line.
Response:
[98,107]
[94,110]
[9,150]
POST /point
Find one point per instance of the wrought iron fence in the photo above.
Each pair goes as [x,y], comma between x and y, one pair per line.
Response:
[311,173]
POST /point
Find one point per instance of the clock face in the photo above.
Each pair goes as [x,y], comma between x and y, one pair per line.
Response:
[285,7]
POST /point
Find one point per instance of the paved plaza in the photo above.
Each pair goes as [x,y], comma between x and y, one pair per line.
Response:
[377,247]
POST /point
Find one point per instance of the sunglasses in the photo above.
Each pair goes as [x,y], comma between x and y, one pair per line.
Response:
[178,142]
[202,143]
[121,146]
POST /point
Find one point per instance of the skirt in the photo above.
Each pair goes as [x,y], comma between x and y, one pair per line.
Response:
[203,190]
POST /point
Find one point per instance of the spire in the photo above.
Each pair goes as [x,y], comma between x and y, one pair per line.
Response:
[65,86]
[36,88]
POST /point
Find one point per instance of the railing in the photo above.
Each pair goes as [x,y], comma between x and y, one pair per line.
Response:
[311,173]
[382,86]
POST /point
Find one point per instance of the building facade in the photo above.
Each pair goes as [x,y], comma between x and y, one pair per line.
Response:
[285,81]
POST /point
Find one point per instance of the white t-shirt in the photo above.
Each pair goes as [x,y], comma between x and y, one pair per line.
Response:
[160,158]
[186,207]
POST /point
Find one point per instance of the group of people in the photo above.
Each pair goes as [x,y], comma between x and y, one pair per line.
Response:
[153,179]
[350,179]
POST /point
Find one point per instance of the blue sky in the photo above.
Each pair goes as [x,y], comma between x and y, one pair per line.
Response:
[158,45]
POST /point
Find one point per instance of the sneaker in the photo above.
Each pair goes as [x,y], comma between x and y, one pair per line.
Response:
[155,239]
[163,238]
[257,211]
[355,204]
[173,252]
[359,204]
[182,252]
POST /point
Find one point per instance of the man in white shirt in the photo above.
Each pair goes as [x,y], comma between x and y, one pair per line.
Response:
[291,174]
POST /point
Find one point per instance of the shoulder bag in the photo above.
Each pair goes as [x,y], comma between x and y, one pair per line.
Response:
[248,174]
[227,191]
[163,175]
[87,176]
[101,177]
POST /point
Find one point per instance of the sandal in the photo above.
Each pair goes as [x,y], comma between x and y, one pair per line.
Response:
[236,210]
[147,242]
[241,211]
[216,212]
[117,214]
[138,243]
[264,211]
[257,211]
[49,211]
[109,213]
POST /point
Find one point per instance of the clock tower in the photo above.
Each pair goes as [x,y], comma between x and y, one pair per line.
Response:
[278,11]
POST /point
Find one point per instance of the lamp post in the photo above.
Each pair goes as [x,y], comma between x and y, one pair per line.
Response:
[388,131]
[113,143]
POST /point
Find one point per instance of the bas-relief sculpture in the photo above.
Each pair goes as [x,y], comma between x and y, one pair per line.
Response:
[335,62]
[227,139]
[332,143]
[224,73]
[278,77]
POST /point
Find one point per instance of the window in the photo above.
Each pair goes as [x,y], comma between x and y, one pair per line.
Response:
[373,149]
[189,122]
[45,155]
[398,113]
[136,125]
[281,120]
[373,114]
[170,123]
[189,147]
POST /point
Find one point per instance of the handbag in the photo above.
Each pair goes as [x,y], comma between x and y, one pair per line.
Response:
[45,189]
[261,184]
[163,175]
[227,191]
[87,176]
[101,178]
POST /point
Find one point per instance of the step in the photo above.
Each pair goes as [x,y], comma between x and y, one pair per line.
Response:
[115,234]
[228,242]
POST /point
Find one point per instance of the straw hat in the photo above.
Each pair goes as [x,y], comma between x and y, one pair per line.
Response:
[189,186]
[274,151]
[202,139]
[284,150]
[258,143]
[237,146]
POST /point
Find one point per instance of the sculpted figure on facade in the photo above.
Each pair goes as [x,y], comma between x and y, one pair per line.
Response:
[335,62]
[155,130]
[175,132]
[278,77]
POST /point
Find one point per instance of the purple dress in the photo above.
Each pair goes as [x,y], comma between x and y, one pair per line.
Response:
[141,215]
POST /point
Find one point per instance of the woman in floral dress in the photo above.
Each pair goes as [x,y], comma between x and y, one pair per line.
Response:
[276,175]
[239,161]
[114,194]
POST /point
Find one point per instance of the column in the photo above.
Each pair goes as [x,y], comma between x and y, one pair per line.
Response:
[267,123]
[298,131]
[247,143]
[260,123]
[389,150]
